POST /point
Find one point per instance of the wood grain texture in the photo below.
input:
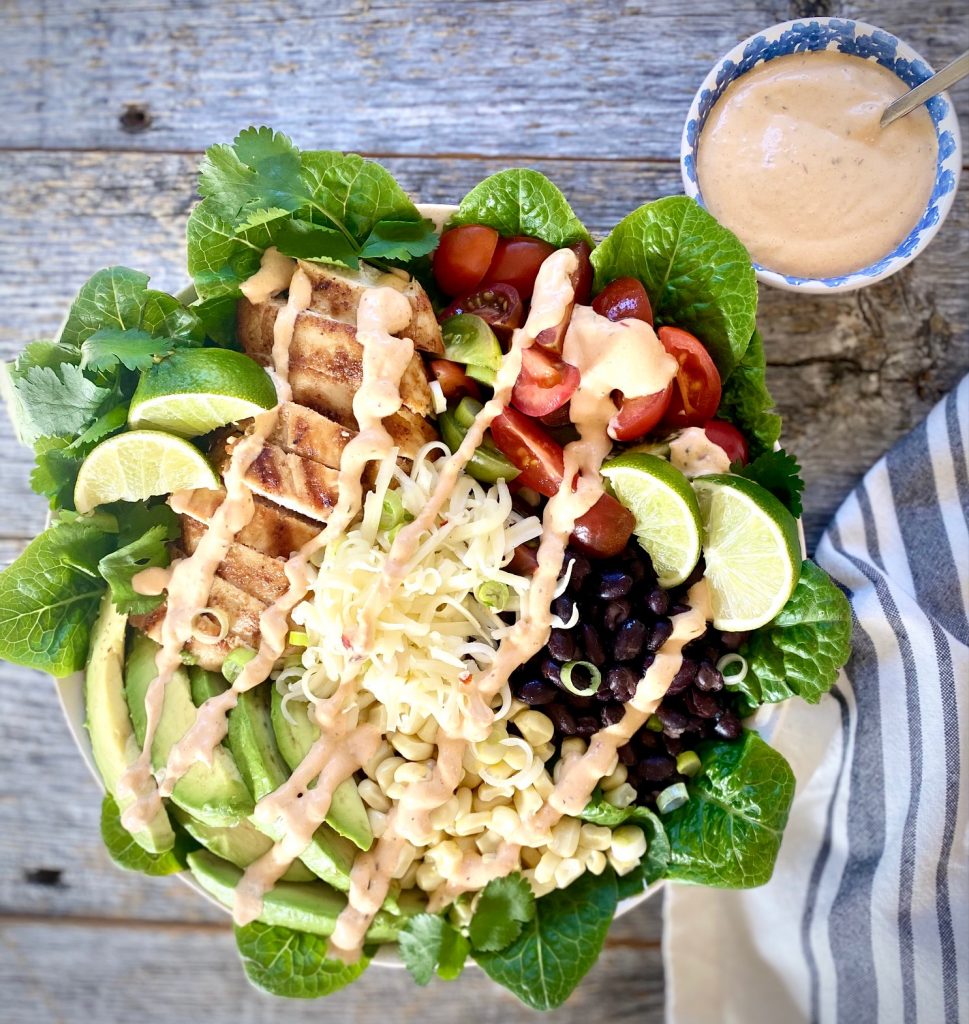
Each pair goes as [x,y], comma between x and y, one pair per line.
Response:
[593,80]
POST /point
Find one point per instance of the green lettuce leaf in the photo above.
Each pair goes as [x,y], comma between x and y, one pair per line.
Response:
[654,863]
[779,473]
[728,833]
[559,945]
[520,201]
[219,257]
[218,317]
[698,275]
[801,651]
[164,316]
[505,905]
[305,241]
[399,240]
[127,854]
[293,964]
[746,402]
[428,943]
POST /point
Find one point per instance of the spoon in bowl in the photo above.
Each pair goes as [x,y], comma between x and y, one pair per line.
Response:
[939,82]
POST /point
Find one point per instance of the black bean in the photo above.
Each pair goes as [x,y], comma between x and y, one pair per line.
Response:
[562,607]
[592,645]
[684,677]
[552,671]
[561,718]
[629,640]
[658,601]
[616,613]
[662,631]
[674,745]
[581,567]
[587,726]
[537,691]
[582,703]
[728,726]
[674,722]
[703,704]
[678,608]
[732,641]
[627,755]
[656,768]
[561,645]
[635,565]
[647,740]
[708,678]
[613,585]
[612,714]
[621,682]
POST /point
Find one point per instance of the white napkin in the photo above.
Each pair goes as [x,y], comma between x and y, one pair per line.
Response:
[867,915]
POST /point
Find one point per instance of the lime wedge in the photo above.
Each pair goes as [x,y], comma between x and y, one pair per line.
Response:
[137,465]
[751,548]
[196,390]
[666,511]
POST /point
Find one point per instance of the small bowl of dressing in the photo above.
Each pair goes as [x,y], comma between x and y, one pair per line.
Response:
[783,146]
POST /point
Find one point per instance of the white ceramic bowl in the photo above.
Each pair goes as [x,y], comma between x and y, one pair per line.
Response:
[861,40]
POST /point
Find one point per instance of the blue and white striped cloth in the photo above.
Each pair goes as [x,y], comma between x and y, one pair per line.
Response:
[867,916]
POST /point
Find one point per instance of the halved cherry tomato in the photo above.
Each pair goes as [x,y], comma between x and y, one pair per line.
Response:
[638,416]
[455,383]
[499,305]
[729,438]
[516,262]
[545,383]
[624,299]
[604,531]
[531,450]
[582,278]
[696,395]
[553,338]
[463,256]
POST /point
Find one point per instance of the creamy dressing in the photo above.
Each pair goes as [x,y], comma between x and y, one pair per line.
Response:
[300,297]
[694,454]
[273,276]
[793,160]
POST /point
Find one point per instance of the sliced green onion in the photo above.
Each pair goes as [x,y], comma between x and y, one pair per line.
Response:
[188,658]
[688,763]
[236,661]
[672,797]
[728,661]
[595,678]
[391,511]
[654,723]
[299,639]
[492,594]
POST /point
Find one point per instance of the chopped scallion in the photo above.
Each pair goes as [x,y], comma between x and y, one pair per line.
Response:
[391,511]
[672,797]
[299,639]
[595,678]
[654,723]
[688,763]
[236,661]
[492,594]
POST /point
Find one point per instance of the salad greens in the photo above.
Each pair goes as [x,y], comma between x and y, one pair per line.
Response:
[779,473]
[127,854]
[729,831]
[655,861]
[430,944]
[505,906]
[746,402]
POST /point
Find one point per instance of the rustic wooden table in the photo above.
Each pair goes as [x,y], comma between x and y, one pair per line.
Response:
[107,106]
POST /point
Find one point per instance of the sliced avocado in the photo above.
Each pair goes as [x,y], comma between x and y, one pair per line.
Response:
[113,741]
[253,744]
[215,795]
[239,844]
[347,815]
[306,906]
[205,685]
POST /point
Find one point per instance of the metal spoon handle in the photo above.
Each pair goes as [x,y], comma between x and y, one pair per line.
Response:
[939,82]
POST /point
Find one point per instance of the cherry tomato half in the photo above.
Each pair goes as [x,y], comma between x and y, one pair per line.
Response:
[545,383]
[463,256]
[604,531]
[638,416]
[499,305]
[516,262]
[582,278]
[530,450]
[455,383]
[696,394]
[624,299]
[729,438]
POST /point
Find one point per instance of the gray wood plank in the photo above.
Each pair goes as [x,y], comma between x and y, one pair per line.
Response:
[72,974]
[521,76]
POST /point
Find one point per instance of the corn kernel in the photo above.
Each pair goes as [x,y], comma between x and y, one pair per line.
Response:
[544,751]
[487,792]
[427,877]
[615,779]
[527,802]
[378,822]
[515,756]
[380,755]
[595,837]
[565,837]
[505,821]
[471,824]
[385,771]
[377,717]
[487,842]
[412,771]
[428,731]
[567,872]
[628,843]
[621,867]
[410,747]
[574,746]
[464,796]
[443,816]
[530,856]
[535,727]
[545,868]
[410,876]
[445,856]
[595,862]
[373,796]
[621,796]
[544,785]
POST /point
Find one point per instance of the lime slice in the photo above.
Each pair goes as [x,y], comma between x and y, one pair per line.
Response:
[751,548]
[196,390]
[666,511]
[137,465]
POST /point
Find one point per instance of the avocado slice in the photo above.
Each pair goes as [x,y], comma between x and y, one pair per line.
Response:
[205,685]
[306,906]
[347,815]
[214,795]
[113,741]
[253,744]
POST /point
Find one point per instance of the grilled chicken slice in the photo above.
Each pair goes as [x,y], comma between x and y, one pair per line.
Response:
[310,434]
[337,292]
[259,575]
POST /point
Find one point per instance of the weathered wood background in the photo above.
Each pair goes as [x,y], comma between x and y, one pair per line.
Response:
[106,108]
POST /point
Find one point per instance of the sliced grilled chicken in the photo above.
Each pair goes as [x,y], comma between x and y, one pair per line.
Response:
[310,434]
[257,574]
[337,292]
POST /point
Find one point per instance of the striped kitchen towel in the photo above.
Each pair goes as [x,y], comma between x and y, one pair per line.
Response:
[867,915]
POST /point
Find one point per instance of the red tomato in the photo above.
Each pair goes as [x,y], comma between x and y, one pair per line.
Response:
[729,438]
[545,383]
[604,531]
[624,299]
[499,305]
[531,450]
[696,395]
[455,383]
[638,416]
[582,278]
[516,262]
[463,256]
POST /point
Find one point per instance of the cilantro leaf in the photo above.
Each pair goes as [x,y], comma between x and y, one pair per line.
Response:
[113,297]
[127,854]
[746,402]
[305,241]
[428,943]
[57,402]
[219,257]
[654,862]
[55,470]
[505,905]
[163,316]
[400,240]
[119,568]
[779,473]
[134,349]
[801,651]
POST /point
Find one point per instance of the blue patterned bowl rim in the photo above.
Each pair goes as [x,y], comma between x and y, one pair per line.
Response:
[861,40]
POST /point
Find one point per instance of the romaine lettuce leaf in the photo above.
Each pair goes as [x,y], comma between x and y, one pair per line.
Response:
[127,854]
[746,402]
[657,857]
[698,275]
